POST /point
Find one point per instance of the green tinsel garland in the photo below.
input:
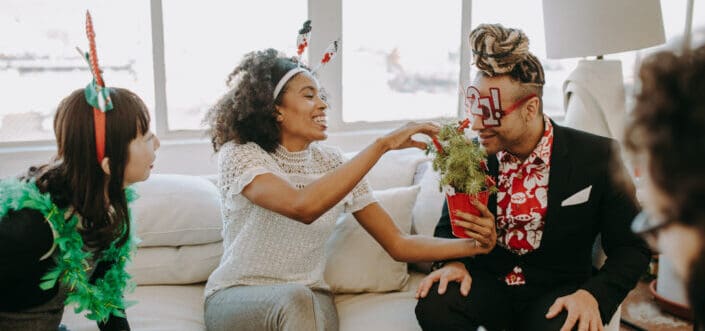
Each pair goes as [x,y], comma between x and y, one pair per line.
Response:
[105,297]
[459,162]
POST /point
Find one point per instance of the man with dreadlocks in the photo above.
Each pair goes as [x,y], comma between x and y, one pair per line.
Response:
[555,197]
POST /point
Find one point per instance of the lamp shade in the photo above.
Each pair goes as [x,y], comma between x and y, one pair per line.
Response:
[577,28]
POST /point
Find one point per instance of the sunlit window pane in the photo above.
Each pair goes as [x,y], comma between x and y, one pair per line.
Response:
[205,40]
[401,59]
[699,23]
[39,64]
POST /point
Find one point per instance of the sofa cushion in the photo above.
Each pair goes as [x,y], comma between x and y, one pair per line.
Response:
[429,204]
[157,308]
[355,262]
[395,168]
[177,210]
[380,311]
[180,308]
[175,265]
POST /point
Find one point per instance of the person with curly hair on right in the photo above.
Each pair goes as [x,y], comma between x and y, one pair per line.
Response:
[282,192]
[666,138]
[555,197]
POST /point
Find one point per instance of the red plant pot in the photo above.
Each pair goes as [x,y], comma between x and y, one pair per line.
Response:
[672,307]
[461,202]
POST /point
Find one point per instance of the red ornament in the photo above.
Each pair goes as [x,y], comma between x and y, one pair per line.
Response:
[438,145]
[489,181]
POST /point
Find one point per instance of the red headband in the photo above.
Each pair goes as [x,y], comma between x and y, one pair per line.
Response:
[97,95]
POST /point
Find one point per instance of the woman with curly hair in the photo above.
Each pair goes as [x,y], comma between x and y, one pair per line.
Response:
[666,135]
[281,193]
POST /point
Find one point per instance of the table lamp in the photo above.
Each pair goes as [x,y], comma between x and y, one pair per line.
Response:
[593,94]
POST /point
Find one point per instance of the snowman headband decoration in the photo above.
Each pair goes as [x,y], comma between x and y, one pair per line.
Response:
[302,42]
[96,93]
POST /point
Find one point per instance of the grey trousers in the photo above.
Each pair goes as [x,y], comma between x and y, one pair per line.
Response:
[286,307]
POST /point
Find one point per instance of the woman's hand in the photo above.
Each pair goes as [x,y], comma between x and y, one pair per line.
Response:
[481,228]
[401,137]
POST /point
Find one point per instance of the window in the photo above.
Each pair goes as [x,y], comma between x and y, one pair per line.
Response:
[398,61]
[699,23]
[39,64]
[402,67]
[204,41]
[528,16]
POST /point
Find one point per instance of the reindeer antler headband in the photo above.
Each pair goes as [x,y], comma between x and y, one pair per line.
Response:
[302,41]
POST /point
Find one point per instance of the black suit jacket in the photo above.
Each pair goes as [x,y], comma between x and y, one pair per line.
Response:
[578,160]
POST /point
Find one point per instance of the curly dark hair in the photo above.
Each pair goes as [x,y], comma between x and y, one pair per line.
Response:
[247,111]
[668,125]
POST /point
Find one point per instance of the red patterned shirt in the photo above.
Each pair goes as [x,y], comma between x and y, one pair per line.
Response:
[522,200]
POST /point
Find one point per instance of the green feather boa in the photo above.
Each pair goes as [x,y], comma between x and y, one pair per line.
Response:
[105,297]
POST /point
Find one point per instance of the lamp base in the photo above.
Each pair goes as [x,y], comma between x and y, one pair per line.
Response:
[593,97]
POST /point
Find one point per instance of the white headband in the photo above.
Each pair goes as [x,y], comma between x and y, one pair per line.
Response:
[286,78]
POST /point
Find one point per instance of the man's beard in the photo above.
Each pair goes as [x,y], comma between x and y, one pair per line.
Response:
[510,144]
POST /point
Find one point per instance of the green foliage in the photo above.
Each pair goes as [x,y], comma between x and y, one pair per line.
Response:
[460,161]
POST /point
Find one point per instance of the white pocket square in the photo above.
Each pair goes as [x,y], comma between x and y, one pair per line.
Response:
[578,198]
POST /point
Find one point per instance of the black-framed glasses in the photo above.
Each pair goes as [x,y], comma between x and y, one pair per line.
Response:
[647,226]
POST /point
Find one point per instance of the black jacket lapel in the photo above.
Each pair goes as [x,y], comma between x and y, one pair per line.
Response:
[560,175]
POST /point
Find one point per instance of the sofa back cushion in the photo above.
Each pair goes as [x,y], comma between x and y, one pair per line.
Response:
[395,168]
[429,204]
[177,210]
[355,262]
[166,265]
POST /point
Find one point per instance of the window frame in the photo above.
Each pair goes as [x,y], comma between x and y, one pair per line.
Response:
[328,16]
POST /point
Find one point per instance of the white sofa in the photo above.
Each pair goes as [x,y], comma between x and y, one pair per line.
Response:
[179,222]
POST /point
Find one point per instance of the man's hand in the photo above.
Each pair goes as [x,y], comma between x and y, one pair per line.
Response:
[452,271]
[582,308]
[481,228]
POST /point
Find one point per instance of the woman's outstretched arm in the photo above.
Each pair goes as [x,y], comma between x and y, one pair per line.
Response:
[308,204]
[416,248]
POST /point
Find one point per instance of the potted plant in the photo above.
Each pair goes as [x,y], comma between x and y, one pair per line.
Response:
[463,170]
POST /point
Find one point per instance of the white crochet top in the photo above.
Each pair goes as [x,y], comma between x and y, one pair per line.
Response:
[262,247]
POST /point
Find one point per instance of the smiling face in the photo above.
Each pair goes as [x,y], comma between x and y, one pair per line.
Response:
[513,130]
[302,113]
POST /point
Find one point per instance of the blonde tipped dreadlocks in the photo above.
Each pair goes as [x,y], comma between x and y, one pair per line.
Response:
[502,51]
